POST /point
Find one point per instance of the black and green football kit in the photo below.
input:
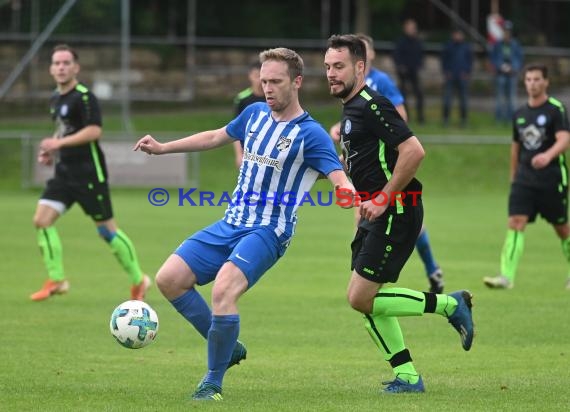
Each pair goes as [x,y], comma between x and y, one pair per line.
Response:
[540,191]
[81,176]
[80,171]
[535,191]
[371,130]
[245,98]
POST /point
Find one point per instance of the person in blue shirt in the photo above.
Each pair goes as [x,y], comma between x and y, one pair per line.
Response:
[285,151]
[382,83]
[457,63]
[507,62]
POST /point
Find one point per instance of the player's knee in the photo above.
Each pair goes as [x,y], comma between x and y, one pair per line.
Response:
[563,231]
[517,225]
[105,233]
[358,303]
[41,222]
[224,298]
[167,283]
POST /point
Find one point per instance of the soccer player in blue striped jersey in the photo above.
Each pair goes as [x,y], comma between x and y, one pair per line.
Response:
[285,150]
[382,156]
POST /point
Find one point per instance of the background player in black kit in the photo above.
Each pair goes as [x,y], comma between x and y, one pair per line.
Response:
[80,176]
[539,177]
[252,94]
[382,154]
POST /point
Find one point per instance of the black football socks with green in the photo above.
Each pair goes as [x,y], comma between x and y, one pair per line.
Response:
[384,329]
[511,253]
[396,302]
[52,252]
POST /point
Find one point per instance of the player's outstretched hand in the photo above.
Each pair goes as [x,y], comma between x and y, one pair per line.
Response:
[50,144]
[45,158]
[371,209]
[149,145]
[346,196]
[334,132]
[540,161]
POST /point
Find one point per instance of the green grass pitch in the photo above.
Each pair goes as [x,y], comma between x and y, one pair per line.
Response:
[307,350]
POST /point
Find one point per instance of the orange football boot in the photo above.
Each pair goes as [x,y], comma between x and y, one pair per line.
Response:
[138,291]
[50,287]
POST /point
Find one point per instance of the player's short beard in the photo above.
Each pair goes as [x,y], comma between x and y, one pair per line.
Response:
[348,87]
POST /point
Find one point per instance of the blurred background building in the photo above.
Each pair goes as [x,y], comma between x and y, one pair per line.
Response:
[184,50]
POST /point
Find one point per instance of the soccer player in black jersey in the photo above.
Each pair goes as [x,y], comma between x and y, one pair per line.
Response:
[383,84]
[80,176]
[382,156]
[252,94]
[539,176]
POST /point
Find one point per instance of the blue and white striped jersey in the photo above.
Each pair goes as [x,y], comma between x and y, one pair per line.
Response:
[281,162]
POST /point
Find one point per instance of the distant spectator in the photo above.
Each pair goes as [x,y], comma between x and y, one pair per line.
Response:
[380,81]
[456,62]
[408,57]
[506,62]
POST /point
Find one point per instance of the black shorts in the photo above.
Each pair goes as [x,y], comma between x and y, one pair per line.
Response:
[381,248]
[551,203]
[94,198]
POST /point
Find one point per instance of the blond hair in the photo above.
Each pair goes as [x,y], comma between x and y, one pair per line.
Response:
[281,54]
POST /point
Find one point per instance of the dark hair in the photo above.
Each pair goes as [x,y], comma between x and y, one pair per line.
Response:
[352,42]
[366,39]
[537,66]
[65,47]
[254,64]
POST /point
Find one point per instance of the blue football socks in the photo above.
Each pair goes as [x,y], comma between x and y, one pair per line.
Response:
[222,339]
[424,249]
[195,310]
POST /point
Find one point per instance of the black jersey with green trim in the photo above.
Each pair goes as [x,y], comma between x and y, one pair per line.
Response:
[245,98]
[534,128]
[72,112]
[371,130]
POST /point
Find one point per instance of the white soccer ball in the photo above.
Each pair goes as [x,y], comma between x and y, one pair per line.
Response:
[134,324]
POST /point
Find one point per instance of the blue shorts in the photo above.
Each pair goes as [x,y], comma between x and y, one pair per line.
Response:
[252,249]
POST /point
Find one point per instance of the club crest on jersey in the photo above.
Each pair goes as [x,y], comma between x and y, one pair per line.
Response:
[531,137]
[541,120]
[283,143]
[63,110]
[347,126]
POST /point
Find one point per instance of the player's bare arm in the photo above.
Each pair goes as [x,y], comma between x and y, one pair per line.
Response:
[515,149]
[401,109]
[206,140]
[83,136]
[343,186]
[335,132]
[542,160]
